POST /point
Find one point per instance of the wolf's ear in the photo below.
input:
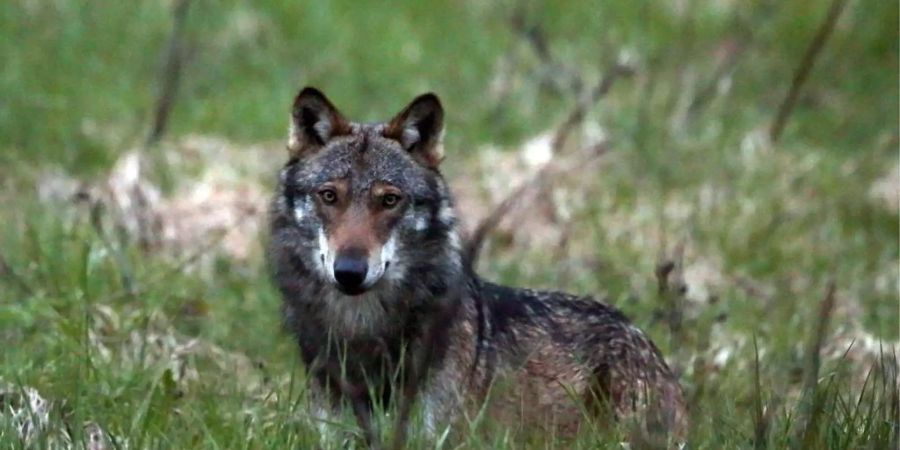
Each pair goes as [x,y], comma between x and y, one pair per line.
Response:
[314,120]
[419,128]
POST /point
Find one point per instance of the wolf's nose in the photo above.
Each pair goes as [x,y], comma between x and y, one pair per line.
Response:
[350,274]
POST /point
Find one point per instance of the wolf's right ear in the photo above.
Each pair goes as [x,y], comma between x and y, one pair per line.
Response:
[314,121]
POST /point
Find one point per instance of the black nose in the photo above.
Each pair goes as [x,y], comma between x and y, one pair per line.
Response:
[350,272]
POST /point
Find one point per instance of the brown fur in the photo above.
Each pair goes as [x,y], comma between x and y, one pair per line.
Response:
[537,361]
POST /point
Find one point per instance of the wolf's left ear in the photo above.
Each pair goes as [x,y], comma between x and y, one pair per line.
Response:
[314,121]
[419,128]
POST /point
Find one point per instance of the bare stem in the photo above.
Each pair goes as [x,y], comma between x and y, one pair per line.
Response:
[171,74]
[806,64]
[548,171]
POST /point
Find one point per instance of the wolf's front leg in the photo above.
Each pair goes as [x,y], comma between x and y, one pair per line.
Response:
[328,412]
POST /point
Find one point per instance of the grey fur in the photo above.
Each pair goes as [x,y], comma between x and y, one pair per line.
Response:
[458,335]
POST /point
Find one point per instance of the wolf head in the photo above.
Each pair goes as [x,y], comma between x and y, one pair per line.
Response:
[362,222]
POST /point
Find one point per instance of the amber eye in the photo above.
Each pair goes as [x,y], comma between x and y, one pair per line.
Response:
[390,200]
[328,196]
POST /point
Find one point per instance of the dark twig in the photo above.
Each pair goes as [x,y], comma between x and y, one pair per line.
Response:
[561,251]
[889,367]
[672,289]
[764,412]
[805,67]
[549,170]
[557,76]
[809,412]
[6,271]
[760,418]
[492,220]
[584,104]
[170,75]
[126,274]
[733,53]
[536,183]
[734,50]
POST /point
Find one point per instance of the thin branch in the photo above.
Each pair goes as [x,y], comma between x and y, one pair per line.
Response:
[489,223]
[558,76]
[170,75]
[725,67]
[672,288]
[803,70]
[6,271]
[584,104]
[125,272]
[536,183]
[734,51]
[760,418]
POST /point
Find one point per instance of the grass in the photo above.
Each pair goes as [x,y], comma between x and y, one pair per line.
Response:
[189,352]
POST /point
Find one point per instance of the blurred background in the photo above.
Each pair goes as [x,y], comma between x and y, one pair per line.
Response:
[725,172]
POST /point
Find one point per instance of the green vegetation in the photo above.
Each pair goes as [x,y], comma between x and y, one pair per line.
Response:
[183,349]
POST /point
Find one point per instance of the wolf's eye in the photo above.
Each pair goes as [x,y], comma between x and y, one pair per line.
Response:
[390,200]
[328,196]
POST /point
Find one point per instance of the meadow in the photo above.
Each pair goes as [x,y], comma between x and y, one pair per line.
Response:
[636,138]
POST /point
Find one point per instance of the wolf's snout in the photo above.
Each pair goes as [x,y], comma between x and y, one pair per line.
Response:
[350,273]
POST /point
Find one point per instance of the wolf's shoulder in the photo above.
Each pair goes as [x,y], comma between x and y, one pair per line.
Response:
[507,303]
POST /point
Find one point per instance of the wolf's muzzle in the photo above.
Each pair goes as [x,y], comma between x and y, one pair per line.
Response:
[350,273]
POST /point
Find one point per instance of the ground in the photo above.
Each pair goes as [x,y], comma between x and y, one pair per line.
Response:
[135,308]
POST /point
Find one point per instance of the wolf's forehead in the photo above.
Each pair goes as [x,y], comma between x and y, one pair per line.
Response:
[364,163]
[387,165]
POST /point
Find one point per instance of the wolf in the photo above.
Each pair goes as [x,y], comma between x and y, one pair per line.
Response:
[366,251]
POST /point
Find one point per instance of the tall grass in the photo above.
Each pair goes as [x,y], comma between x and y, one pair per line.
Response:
[186,350]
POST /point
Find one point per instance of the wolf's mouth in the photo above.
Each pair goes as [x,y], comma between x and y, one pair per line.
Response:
[353,292]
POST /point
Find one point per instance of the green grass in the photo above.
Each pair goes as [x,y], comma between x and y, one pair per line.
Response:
[194,357]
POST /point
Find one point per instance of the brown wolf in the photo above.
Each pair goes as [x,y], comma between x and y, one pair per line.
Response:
[366,252]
